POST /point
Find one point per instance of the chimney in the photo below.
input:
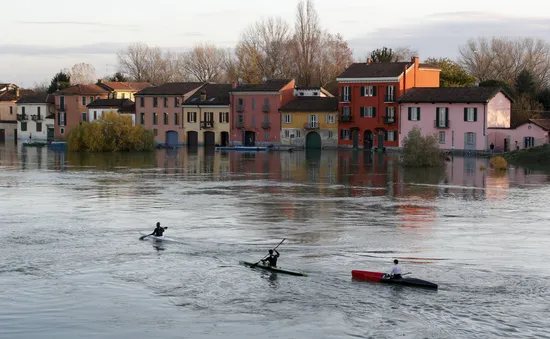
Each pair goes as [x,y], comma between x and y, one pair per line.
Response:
[264,79]
[415,61]
[17,92]
[99,81]
[203,96]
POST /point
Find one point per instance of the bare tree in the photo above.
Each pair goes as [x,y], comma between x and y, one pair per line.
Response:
[307,41]
[503,59]
[133,61]
[204,63]
[41,87]
[404,53]
[82,74]
[335,56]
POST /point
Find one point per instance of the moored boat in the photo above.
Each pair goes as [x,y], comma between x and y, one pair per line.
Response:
[272,269]
[384,278]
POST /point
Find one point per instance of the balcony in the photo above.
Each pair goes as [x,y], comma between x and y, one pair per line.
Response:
[240,108]
[311,125]
[240,124]
[442,123]
[207,124]
[22,117]
[266,125]
[37,117]
[345,118]
[389,120]
[389,98]
[265,108]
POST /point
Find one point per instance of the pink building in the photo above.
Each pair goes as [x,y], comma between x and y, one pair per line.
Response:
[459,116]
[255,118]
[160,109]
[534,132]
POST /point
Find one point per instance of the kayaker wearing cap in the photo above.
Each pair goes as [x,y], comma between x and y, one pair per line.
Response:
[272,258]
[396,270]
[158,230]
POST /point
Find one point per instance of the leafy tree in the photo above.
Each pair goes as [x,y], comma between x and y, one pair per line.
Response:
[452,74]
[383,54]
[60,81]
[525,83]
[118,77]
[421,150]
[525,108]
[543,97]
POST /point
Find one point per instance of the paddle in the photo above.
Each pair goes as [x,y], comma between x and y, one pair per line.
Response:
[145,236]
[256,264]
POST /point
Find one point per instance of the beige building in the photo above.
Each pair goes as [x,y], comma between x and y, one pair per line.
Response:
[206,116]
[9,94]
[122,90]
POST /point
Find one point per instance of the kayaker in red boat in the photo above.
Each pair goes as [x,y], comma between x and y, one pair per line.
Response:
[158,230]
[395,270]
[272,258]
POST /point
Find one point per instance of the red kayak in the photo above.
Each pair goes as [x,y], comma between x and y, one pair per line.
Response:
[383,278]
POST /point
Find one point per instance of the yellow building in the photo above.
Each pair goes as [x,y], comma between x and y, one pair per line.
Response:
[310,122]
[206,116]
[123,90]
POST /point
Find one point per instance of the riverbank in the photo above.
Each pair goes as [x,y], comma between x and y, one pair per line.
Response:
[530,157]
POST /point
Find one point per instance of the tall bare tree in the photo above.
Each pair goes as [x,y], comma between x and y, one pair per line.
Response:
[133,61]
[334,57]
[307,41]
[82,74]
[204,63]
[404,53]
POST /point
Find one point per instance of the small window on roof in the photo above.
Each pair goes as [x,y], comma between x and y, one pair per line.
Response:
[315,93]
[301,93]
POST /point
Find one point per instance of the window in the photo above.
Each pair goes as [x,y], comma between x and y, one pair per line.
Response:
[62,130]
[123,95]
[287,118]
[176,102]
[84,118]
[142,118]
[61,118]
[208,116]
[91,99]
[95,115]
[442,117]
[240,118]
[390,112]
[368,112]
[155,132]
[368,91]
[266,101]
[330,119]
[441,137]
[470,138]
[11,109]
[155,102]
[155,118]
[253,103]
[470,114]
[286,133]
[330,134]
[165,102]
[345,134]
[176,118]
[301,94]
[240,101]
[528,142]
[346,93]
[191,116]
[266,119]
[39,127]
[346,111]
[414,113]
[61,103]
[141,102]
[224,117]
[165,115]
[390,94]
[23,126]
[298,133]
[253,123]
[315,94]
[266,135]
[83,101]
[391,136]
[23,110]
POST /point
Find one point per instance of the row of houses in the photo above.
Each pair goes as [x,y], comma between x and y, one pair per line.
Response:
[376,106]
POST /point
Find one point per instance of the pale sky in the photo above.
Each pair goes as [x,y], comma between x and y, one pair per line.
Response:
[40,37]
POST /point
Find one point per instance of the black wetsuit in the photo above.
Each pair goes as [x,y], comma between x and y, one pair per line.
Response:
[272,259]
[158,231]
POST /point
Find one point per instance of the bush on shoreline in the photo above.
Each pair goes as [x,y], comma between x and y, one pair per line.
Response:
[499,163]
[422,151]
[111,133]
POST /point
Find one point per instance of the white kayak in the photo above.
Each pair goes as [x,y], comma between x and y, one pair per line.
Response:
[155,238]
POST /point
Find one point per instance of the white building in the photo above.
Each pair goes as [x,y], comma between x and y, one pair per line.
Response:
[311,92]
[98,107]
[35,117]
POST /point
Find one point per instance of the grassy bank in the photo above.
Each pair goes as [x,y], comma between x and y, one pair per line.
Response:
[534,156]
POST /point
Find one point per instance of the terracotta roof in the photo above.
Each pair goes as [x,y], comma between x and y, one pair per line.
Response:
[270,85]
[374,70]
[108,103]
[311,104]
[36,98]
[82,89]
[216,94]
[451,94]
[171,88]
[542,123]
[124,86]
[131,108]
[11,95]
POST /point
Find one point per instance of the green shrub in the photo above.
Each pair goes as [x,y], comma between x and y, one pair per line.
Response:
[111,133]
[421,150]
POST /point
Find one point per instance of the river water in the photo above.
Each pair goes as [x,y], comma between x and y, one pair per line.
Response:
[71,264]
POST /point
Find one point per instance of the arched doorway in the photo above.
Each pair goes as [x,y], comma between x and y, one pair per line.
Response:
[313,140]
[368,140]
[249,138]
[171,138]
[192,138]
[224,139]
[209,138]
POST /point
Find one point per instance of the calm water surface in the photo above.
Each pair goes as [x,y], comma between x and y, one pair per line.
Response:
[71,264]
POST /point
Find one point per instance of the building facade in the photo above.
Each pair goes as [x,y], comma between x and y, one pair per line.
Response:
[368,93]
[255,118]
[532,133]
[206,116]
[36,117]
[97,108]
[459,116]
[122,90]
[160,109]
[9,94]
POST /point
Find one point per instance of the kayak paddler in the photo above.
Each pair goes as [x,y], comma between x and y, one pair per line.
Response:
[271,259]
[395,270]
[158,230]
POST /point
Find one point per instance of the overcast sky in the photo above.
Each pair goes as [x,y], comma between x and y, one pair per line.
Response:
[40,37]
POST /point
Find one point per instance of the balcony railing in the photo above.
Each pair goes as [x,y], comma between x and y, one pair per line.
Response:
[240,108]
[240,124]
[389,120]
[22,117]
[207,124]
[37,117]
[311,125]
[345,118]
[442,123]
[266,125]
[265,108]
[389,98]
